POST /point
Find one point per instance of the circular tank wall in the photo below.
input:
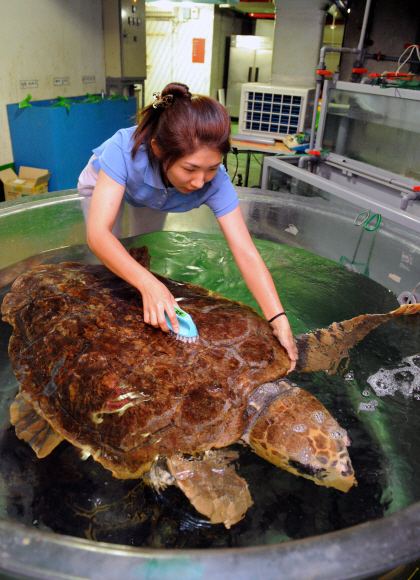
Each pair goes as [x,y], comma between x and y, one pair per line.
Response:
[390,256]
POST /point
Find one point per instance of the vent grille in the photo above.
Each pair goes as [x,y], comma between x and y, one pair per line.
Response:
[272,113]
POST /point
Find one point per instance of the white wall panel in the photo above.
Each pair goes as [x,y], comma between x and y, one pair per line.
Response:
[46,39]
[169,52]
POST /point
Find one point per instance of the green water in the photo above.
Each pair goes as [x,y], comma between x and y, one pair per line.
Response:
[64,494]
[314,291]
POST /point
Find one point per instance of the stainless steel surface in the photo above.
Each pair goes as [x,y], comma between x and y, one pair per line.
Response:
[47,222]
[342,186]
[379,127]
[246,55]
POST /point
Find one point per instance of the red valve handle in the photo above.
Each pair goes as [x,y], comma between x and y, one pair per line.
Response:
[323,73]
[374,75]
[313,152]
[360,70]
[392,75]
[416,188]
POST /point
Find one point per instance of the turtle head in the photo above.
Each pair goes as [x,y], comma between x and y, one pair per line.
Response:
[292,430]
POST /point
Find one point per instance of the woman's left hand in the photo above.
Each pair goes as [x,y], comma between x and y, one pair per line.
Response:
[283,333]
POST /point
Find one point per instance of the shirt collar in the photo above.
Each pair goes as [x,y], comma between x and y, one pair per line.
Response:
[152,177]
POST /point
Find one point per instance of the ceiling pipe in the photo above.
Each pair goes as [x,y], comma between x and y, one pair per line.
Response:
[361,46]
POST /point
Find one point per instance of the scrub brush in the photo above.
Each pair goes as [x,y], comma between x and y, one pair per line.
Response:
[187,328]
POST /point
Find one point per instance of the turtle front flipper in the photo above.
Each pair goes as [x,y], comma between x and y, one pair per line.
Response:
[32,428]
[325,348]
[212,485]
[296,433]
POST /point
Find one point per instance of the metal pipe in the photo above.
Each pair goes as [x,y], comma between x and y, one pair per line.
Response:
[314,116]
[321,66]
[390,58]
[319,82]
[361,58]
[371,175]
[303,161]
[407,198]
[325,49]
[364,27]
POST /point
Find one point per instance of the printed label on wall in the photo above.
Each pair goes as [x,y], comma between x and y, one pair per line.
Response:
[199,46]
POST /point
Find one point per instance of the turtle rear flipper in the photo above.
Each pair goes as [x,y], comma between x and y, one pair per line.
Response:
[32,428]
[212,485]
[299,435]
[325,348]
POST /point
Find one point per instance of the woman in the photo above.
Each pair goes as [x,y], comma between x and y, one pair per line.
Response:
[171,162]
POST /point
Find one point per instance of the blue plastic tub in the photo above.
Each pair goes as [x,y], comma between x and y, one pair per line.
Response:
[60,139]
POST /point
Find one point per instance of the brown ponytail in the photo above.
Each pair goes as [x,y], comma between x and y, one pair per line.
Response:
[181,127]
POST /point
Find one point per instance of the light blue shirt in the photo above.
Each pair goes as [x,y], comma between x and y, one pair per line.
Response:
[144,186]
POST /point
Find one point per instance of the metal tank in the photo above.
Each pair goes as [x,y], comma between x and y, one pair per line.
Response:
[32,225]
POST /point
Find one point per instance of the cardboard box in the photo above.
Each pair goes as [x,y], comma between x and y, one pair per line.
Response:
[29,182]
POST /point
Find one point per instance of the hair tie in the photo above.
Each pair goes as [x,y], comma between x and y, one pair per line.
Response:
[276,316]
[162,102]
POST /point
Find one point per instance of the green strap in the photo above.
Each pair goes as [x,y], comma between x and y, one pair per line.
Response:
[366,218]
[62,102]
[92,98]
[116,97]
[25,103]
[377,224]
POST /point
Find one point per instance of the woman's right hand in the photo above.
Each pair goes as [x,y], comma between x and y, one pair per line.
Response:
[156,301]
[106,201]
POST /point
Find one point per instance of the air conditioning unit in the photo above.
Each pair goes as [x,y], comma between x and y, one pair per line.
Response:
[274,111]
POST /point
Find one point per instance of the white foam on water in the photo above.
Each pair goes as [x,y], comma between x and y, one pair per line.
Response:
[405,379]
[371,406]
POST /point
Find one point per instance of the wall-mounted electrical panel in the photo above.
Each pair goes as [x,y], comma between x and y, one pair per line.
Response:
[125,42]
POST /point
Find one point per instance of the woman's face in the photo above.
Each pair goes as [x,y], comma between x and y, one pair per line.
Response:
[193,171]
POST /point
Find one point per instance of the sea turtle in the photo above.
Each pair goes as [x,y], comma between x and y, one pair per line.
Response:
[92,372]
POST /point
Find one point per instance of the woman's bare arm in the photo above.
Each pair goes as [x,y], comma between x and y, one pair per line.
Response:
[106,200]
[257,277]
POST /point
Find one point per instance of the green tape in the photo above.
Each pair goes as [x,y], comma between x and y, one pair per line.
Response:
[25,103]
[92,98]
[116,97]
[62,102]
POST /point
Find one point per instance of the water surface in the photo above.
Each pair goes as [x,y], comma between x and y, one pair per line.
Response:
[80,498]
